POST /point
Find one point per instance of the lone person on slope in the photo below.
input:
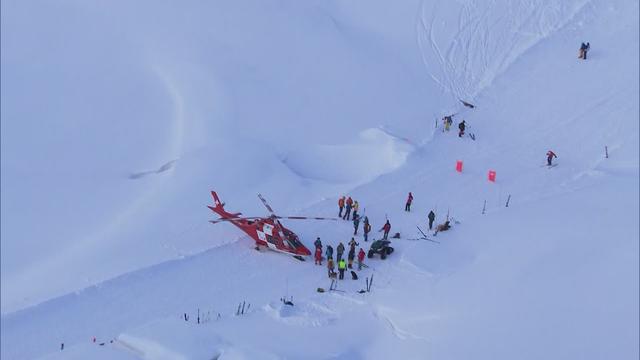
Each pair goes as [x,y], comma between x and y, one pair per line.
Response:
[583,51]
[432,218]
[550,156]
[407,206]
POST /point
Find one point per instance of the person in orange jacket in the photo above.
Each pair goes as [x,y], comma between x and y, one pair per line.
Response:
[340,206]
[318,256]
[330,266]
[407,206]
[347,211]
[366,228]
[360,258]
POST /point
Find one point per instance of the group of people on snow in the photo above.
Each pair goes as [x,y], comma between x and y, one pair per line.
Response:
[347,205]
[448,121]
[342,264]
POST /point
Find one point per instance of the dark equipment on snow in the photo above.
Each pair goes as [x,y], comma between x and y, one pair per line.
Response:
[467,104]
[380,247]
[354,276]
[287,302]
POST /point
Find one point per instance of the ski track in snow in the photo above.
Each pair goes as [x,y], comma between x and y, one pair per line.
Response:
[456,70]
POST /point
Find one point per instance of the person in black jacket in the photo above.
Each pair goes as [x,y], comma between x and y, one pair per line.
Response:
[329,252]
[432,218]
[339,252]
[461,126]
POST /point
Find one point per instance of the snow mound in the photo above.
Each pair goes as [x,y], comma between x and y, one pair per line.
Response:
[310,314]
[374,152]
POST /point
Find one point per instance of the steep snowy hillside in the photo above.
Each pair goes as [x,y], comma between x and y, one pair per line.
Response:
[118,119]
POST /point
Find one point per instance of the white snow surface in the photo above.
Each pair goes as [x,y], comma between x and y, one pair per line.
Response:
[119,118]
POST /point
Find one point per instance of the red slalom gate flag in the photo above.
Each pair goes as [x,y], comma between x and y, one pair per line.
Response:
[492,176]
[459,165]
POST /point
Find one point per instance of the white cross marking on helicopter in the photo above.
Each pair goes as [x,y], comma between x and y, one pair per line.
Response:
[268,229]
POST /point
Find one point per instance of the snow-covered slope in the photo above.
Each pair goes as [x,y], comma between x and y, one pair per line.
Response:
[118,120]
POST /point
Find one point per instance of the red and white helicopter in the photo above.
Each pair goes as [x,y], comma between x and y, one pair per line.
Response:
[266,231]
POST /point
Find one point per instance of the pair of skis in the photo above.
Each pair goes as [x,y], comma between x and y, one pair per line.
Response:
[424,236]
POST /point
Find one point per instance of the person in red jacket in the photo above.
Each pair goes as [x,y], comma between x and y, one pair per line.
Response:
[340,206]
[407,206]
[550,156]
[386,227]
[360,258]
[318,256]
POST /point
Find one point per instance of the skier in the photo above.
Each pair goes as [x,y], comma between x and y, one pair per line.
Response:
[319,256]
[432,218]
[347,211]
[550,156]
[342,265]
[329,252]
[386,227]
[356,206]
[353,244]
[318,243]
[442,227]
[366,228]
[356,223]
[340,251]
[330,267]
[351,256]
[407,206]
[360,258]
[340,206]
[582,54]
[461,126]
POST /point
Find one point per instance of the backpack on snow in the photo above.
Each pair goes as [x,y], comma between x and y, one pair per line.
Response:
[354,276]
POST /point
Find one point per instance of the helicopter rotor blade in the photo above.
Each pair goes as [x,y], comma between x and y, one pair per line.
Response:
[233,219]
[264,202]
[304,218]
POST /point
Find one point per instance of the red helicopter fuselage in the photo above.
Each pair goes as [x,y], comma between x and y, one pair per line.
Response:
[267,231]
